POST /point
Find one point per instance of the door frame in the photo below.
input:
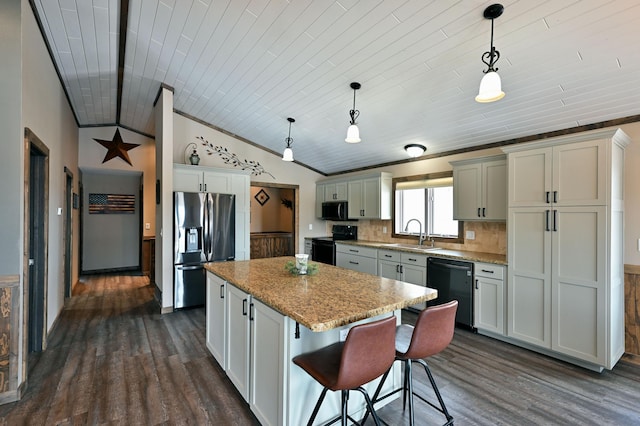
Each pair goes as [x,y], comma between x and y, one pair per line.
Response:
[32,141]
[296,207]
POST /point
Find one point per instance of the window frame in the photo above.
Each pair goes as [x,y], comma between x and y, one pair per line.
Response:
[437,175]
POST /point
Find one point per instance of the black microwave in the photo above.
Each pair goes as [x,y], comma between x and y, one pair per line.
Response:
[334,210]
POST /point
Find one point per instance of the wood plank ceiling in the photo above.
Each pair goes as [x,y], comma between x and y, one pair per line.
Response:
[246,65]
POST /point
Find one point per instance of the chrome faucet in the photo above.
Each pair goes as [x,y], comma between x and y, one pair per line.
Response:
[420,236]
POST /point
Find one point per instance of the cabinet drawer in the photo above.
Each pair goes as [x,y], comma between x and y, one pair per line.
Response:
[357,250]
[489,270]
[354,262]
[390,255]
[414,259]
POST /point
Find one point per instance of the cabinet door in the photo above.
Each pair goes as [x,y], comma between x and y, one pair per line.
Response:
[268,366]
[579,282]
[216,318]
[488,304]
[335,191]
[341,191]
[529,276]
[530,177]
[415,275]
[494,190]
[389,269]
[217,182]
[579,174]
[188,180]
[238,339]
[356,205]
[371,198]
[467,182]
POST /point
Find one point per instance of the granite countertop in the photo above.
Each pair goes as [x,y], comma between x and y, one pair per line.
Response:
[473,256]
[331,298]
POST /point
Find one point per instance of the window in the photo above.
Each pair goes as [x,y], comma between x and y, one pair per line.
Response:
[429,199]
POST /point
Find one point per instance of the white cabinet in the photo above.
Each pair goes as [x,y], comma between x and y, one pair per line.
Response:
[224,181]
[216,318]
[238,342]
[255,354]
[403,266]
[370,197]
[357,258]
[267,364]
[489,298]
[565,228]
[480,189]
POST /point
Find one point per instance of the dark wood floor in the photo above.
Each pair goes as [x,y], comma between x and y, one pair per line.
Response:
[113,359]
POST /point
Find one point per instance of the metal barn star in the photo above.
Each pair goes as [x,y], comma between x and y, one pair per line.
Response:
[116,148]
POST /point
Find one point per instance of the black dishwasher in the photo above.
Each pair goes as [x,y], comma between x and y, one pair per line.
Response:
[454,281]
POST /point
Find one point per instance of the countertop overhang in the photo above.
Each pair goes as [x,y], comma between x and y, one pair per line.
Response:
[331,298]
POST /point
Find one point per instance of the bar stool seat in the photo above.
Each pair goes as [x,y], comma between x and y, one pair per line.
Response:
[366,354]
[432,334]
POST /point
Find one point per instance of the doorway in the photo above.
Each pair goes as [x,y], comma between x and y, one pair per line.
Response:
[67,231]
[274,220]
[35,240]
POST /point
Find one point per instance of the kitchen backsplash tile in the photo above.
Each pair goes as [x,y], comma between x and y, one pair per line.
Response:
[490,237]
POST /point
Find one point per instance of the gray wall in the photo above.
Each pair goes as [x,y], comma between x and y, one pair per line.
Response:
[110,241]
[11,138]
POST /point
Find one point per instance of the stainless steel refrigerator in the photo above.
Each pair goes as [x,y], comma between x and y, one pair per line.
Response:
[204,231]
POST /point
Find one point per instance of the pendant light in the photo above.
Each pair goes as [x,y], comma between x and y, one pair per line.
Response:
[353,133]
[287,155]
[491,86]
[415,150]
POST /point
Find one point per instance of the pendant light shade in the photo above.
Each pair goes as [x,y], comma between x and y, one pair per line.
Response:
[287,155]
[490,88]
[491,85]
[415,150]
[353,133]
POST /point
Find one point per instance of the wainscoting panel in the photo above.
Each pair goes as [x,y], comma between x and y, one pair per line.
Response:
[632,309]
[9,333]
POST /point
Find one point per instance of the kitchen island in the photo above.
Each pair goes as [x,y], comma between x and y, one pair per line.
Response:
[259,317]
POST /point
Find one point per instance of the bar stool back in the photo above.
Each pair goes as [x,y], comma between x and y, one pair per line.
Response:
[366,354]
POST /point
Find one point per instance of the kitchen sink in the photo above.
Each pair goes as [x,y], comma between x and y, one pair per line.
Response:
[412,246]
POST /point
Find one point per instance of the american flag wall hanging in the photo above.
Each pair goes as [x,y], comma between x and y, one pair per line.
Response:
[112,204]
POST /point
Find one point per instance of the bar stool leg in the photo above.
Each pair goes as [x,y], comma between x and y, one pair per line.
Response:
[437,392]
[409,389]
[317,407]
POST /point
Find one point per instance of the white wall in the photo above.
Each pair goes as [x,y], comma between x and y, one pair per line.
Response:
[185,132]
[46,112]
[91,154]
[110,241]
[272,216]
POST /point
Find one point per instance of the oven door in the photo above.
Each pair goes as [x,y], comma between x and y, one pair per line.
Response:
[323,251]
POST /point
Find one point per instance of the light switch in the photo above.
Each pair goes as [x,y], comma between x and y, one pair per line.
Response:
[311,227]
[384,229]
[147,226]
[59,211]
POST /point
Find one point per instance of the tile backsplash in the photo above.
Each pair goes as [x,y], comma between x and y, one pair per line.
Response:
[490,237]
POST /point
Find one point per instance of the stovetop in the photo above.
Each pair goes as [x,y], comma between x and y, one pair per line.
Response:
[341,233]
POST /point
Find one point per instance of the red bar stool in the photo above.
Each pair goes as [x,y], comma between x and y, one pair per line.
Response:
[432,334]
[367,353]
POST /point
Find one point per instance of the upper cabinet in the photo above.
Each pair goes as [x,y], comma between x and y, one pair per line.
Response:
[368,196]
[571,174]
[480,189]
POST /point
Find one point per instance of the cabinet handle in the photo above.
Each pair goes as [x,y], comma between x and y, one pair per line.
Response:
[353,263]
[555,221]
[251,309]
[244,307]
[200,187]
[401,269]
[547,197]
[222,291]
[555,196]
[487,271]
[547,220]
[354,251]
[397,269]
[387,255]
[411,259]
[484,214]
[476,284]
[479,212]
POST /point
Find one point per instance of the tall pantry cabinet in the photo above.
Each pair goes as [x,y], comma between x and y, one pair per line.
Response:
[565,246]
